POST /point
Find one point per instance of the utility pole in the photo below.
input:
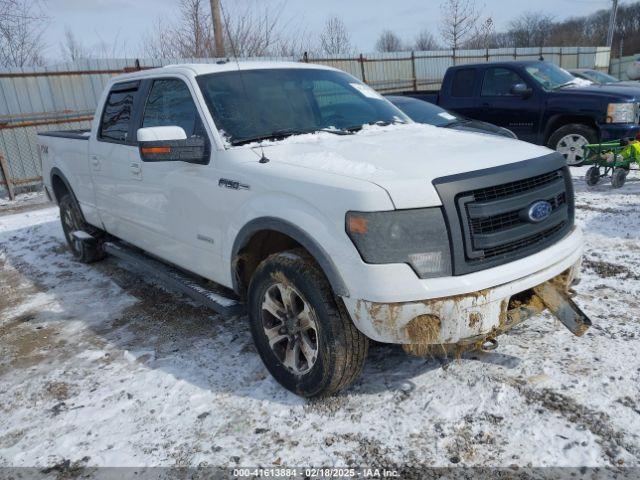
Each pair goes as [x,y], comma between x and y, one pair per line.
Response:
[217,27]
[612,23]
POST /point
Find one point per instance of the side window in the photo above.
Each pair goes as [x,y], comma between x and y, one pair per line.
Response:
[463,82]
[116,116]
[498,82]
[170,104]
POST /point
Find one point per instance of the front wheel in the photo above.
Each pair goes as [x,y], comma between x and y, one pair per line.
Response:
[305,339]
[618,177]
[569,141]
[592,177]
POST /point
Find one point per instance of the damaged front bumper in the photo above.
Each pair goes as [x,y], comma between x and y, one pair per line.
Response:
[470,319]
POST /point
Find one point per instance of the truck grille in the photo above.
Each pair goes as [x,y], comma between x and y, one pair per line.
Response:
[488,211]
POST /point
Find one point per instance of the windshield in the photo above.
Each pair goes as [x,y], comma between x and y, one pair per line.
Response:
[251,105]
[424,112]
[549,76]
[599,77]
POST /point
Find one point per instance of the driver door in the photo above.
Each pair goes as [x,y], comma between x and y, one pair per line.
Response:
[173,200]
[518,113]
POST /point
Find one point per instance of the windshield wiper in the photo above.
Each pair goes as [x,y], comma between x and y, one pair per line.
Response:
[286,132]
[565,84]
[379,123]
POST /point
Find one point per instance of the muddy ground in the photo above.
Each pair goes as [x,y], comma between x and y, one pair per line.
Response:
[101,367]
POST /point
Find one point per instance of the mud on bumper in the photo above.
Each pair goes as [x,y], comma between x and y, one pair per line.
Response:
[469,319]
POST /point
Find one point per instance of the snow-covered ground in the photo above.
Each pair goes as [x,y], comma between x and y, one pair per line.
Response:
[99,367]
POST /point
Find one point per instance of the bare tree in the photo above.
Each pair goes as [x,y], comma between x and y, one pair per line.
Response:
[251,28]
[531,29]
[335,38]
[389,42]
[72,50]
[484,35]
[426,41]
[159,41]
[192,35]
[22,26]
[458,22]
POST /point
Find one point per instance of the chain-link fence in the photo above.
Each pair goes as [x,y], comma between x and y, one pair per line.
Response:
[65,96]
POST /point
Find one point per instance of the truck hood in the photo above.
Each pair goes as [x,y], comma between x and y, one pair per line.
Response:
[402,159]
[608,90]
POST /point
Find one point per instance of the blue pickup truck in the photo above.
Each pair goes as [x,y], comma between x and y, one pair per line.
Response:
[541,103]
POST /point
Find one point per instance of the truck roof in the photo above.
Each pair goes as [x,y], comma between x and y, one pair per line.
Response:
[226,66]
[513,63]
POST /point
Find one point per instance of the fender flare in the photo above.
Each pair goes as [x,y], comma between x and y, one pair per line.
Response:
[56,172]
[296,233]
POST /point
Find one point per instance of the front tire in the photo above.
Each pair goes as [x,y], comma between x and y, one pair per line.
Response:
[592,177]
[569,140]
[303,335]
[72,221]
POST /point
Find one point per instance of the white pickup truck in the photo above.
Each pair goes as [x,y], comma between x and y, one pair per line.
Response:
[332,216]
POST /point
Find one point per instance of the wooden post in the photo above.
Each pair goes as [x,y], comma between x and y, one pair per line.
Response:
[218,37]
[7,177]
[361,60]
[413,71]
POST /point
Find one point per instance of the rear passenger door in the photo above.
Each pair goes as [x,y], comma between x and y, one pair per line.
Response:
[461,96]
[520,114]
[113,157]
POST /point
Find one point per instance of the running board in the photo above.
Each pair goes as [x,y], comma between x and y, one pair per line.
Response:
[195,288]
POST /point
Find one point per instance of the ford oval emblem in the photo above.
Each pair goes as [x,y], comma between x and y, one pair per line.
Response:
[539,211]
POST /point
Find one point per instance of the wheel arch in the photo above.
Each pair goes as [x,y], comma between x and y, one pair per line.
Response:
[60,185]
[560,120]
[273,235]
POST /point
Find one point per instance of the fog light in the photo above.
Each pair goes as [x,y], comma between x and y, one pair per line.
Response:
[429,262]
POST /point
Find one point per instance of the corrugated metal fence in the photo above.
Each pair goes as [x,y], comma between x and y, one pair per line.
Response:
[65,96]
[620,65]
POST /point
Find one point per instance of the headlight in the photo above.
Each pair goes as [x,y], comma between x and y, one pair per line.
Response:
[417,237]
[622,113]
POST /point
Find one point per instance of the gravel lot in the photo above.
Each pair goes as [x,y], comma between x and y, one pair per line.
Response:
[101,367]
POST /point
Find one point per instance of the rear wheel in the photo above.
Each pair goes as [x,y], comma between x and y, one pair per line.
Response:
[87,251]
[304,337]
[569,140]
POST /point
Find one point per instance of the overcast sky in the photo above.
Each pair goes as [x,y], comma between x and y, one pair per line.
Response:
[98,21]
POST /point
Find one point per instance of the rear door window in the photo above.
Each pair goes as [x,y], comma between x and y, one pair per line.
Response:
[463,82]
[117,113]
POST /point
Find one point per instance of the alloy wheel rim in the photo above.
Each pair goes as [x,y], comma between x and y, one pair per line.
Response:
[71,226]
[570,146]
[290,327]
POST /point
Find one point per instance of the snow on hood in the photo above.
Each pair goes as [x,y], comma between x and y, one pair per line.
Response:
[402,159]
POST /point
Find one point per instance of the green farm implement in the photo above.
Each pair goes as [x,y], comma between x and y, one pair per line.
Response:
[611,159]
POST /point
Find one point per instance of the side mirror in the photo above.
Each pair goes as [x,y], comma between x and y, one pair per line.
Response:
[521,90]
[170,144]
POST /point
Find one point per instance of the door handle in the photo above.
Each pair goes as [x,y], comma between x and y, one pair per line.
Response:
[95,162]
[135,168]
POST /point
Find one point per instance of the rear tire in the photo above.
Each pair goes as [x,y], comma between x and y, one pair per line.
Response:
[302,333]
[569,140]
[618,177]
[592,177]
[86,251]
